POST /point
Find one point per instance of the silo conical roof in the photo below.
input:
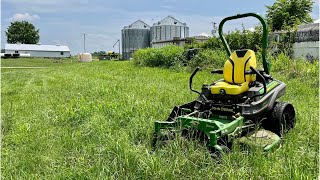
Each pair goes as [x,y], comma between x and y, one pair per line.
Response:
[169,20]
[138,25]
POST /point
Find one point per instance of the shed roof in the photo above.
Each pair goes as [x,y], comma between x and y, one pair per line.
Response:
[35,47]
[138,25]
[309,27]
[169,20]
[307,32]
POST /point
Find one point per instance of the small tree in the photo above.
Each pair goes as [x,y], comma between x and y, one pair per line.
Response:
[98,53]
[22,32]
[284,13]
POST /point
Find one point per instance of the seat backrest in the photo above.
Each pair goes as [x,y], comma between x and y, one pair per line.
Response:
[239,62]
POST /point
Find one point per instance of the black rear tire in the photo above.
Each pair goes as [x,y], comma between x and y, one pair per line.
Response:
[281,118]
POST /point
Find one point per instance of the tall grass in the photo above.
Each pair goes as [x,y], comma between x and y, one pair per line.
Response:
[95,121]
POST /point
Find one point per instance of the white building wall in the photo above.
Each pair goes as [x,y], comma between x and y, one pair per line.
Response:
[52,54]
[308,50]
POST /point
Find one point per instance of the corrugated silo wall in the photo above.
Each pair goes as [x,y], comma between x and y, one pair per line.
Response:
[168,32]
[134,39]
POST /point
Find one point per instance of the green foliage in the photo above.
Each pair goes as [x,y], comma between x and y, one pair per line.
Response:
[284,13]
[95,121]
[159,57]
[245,39]
[282,43]
[299,68]
[212,43]
[22,32]
[208,59]
[98,53]
[193,44]
[237,39]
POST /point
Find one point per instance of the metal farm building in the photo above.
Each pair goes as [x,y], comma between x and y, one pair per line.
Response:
[165,32]
[134,37]
[168,31]
[38,50]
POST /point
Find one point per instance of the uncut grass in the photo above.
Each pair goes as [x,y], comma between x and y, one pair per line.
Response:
[95,120]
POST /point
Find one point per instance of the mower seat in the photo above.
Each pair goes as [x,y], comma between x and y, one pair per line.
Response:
[235,81]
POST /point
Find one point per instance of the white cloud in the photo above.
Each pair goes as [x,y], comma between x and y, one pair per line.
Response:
[56,6]
[24,17]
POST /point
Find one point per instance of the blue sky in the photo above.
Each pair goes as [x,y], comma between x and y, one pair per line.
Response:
[64,21]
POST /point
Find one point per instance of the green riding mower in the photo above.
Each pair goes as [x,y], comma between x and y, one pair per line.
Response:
[241,107]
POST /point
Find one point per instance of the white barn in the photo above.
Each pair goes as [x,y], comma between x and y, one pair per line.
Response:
[38,50]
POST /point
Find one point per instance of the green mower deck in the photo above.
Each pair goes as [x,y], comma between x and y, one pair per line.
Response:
[216,128]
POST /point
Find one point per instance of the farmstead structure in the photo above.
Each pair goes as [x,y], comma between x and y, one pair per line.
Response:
[38,50]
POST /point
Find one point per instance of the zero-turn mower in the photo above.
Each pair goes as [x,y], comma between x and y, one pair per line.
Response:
[242,106]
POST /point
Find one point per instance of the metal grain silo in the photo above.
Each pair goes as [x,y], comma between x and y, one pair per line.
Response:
[168,29]
[134,37]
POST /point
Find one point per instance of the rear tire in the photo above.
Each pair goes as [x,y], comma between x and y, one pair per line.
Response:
[281,118]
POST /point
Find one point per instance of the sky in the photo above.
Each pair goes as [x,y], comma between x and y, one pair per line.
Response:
[64,21]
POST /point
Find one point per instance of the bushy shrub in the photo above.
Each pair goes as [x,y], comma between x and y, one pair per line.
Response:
[298,68]
[211,43]
[209,59]
[159,57]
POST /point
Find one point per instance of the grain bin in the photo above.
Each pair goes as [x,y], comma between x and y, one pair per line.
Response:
[85,57]
[168,29]
[134,37]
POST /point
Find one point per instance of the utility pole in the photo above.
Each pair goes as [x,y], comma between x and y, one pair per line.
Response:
[118,41]
[84,42]
[214,31]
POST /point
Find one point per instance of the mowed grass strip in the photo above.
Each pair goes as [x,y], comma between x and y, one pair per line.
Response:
[95,120]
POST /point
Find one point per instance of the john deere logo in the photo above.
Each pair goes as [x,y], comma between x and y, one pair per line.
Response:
[222,109]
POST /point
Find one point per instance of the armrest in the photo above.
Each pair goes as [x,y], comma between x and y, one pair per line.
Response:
[249,72]
[217,71]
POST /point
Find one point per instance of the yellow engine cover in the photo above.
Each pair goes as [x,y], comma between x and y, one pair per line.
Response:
[231,89]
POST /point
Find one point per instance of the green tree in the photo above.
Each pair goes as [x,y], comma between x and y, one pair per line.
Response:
[98,53]
[284,13]
[22,32]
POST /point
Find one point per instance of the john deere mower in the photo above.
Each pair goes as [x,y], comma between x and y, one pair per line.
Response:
[242,106]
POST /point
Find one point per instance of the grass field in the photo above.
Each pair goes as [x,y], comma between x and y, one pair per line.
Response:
[95,121]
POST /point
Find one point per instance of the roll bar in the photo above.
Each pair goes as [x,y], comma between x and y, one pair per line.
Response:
[266,64]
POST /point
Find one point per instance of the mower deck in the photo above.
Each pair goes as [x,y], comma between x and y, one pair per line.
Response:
[216,128]
[213,127]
